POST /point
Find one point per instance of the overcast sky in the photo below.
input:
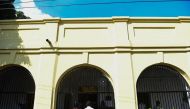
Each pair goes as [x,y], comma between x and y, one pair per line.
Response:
[104,8]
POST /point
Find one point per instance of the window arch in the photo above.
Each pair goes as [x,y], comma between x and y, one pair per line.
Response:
[17,88]
[83,84]
[162,86]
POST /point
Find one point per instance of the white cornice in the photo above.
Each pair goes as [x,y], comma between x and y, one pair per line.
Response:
[98,19]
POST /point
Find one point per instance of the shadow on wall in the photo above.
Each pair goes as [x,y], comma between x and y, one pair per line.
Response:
[11,44]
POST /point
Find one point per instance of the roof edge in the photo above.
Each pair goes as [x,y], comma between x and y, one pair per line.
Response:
[99,19]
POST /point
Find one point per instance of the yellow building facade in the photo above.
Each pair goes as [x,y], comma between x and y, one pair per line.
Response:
[126,62]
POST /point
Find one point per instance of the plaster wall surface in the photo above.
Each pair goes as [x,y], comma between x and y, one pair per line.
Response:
[121,46]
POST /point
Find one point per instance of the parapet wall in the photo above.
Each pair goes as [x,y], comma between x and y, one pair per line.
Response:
[95,32]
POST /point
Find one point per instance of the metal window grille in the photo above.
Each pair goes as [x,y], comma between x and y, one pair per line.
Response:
[161,87]
[16,88]
[82,85]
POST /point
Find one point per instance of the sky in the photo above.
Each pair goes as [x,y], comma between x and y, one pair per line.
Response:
[103,8]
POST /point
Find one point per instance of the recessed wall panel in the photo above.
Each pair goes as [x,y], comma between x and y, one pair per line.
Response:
[87,36]
[154,32]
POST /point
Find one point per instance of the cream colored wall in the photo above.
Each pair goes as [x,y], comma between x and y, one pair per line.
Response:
[123,47]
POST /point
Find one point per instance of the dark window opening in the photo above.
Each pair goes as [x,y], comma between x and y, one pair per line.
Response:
[17,88]
[161,87]
[82,85]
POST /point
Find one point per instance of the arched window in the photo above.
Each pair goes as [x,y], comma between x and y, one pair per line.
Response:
[162,87]
[84,84]
[17,88]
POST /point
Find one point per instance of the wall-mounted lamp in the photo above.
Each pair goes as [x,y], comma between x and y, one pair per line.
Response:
[49,42]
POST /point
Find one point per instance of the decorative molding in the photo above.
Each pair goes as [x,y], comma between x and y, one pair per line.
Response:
[12,56]
[96,50]
[86,57]
[102,19]
[10,29]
